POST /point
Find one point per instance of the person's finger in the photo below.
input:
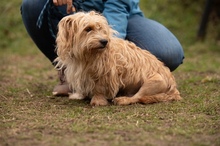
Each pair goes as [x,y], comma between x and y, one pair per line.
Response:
[69,6]
[55,2]
[64,2]
[60,2]
[73,9]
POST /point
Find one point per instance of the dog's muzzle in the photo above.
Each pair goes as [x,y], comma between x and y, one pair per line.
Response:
[103,43]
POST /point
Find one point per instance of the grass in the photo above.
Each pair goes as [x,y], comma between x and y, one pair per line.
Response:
[30,115]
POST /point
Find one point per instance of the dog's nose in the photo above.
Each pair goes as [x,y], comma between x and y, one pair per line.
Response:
[103,42]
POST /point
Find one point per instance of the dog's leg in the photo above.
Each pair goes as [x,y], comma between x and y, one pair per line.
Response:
[98,100]
[77,96]
[162,97]
[153,90]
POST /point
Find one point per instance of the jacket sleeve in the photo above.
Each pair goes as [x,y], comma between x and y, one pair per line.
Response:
[117,13]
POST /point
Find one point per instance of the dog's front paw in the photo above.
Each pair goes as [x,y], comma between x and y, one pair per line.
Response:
[98,101]
[122,101]
[77,96]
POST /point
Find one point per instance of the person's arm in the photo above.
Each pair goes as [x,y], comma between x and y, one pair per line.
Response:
[117,13]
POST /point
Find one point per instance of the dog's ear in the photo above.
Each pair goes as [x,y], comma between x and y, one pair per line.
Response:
[65,36]
[65,28]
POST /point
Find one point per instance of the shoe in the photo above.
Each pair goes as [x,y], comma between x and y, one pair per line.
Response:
[62,89]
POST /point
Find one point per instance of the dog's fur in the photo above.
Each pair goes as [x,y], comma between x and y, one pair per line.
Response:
[104,67]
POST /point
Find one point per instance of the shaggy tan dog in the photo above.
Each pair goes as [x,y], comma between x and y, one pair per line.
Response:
[106,68]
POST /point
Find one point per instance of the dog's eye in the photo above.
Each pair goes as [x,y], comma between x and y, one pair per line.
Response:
[88,29]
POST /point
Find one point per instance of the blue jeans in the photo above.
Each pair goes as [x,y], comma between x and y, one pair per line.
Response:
[145,33]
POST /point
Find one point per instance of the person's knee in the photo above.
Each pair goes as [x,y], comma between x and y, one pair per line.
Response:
[23,5]
[174,58]
[32,6]
[27,4]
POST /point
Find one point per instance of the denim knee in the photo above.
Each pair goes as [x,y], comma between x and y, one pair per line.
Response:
[32,5]
[157,39]
[174,57]
[42,37]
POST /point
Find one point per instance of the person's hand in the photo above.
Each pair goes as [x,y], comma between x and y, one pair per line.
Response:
[69,4]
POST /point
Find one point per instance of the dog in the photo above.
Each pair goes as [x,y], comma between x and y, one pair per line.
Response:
[108,69]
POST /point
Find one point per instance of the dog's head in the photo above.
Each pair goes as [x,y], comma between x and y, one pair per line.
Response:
[82,33]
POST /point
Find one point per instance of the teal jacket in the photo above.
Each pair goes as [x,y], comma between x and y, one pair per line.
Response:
[117,12]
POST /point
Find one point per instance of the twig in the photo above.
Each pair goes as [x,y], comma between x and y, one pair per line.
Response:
[29,92]
[4,97]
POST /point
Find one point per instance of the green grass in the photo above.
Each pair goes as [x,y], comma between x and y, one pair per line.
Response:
[30,115]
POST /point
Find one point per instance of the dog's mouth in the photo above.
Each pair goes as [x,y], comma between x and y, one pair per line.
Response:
[101,48]
[102,44]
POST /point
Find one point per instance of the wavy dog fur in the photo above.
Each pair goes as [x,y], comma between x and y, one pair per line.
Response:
[103,67]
